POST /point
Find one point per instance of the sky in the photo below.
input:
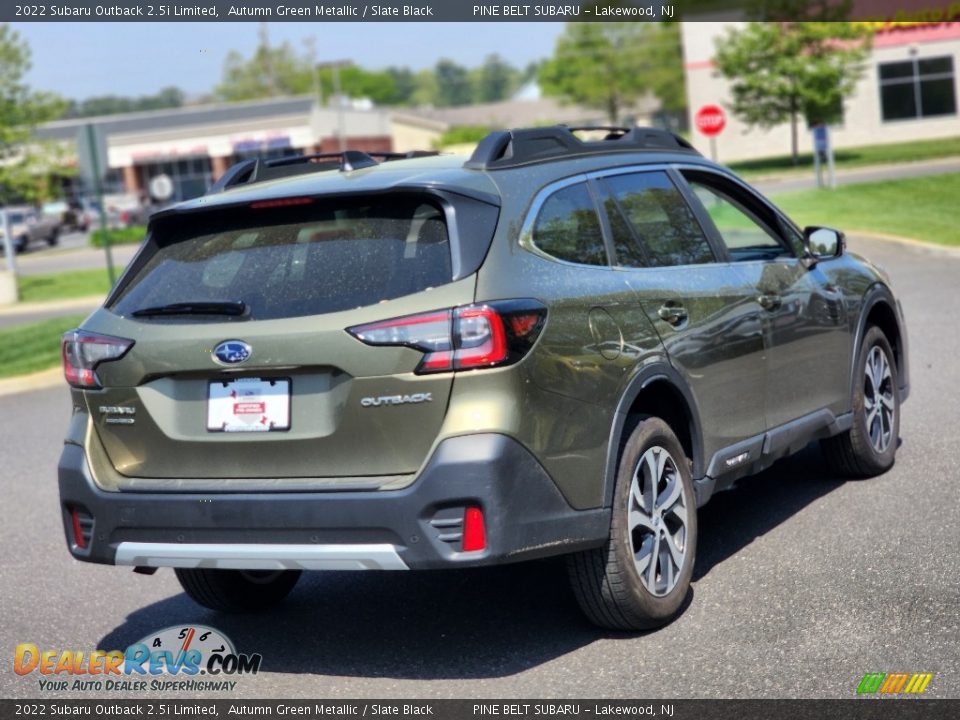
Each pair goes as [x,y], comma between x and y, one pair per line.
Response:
[80,60]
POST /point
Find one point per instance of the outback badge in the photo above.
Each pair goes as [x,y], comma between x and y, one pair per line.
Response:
[231,352]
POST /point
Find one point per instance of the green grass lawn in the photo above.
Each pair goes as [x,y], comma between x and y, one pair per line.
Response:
[60,286]
[920,208]
[35,346]
[855,157]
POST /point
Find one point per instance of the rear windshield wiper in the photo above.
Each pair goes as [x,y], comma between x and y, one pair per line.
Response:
[194,308]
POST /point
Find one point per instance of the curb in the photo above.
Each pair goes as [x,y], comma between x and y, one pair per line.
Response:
[29,308]
[921,244]
[34,381]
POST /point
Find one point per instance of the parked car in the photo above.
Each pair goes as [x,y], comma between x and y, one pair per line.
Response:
[124,210]
[28,226]
[555,347]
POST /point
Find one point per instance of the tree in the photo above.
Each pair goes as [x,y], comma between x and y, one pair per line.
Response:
[494,80]
[602,65]
[662,57]
[24,163]
[270,71]
[453,84]
[782,71]
[168,97]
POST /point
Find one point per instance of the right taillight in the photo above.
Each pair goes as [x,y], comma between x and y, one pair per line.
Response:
[463,338]
[83,351]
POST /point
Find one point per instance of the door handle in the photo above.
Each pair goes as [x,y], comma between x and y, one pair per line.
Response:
[769,301]
[673,314]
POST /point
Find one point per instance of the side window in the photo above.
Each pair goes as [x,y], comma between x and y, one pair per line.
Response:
[568,227]
[660,219]
[746,232]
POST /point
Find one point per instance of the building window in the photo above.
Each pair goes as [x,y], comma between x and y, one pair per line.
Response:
[918,88]
[191,176]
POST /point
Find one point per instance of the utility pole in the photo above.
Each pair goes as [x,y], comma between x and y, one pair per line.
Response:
[334,66]
[311,44]
[266,60]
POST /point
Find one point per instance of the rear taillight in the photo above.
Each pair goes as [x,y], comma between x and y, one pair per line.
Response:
[463,338]
[83,351]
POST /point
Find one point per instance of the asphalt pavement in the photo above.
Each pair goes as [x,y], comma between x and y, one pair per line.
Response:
[804,582]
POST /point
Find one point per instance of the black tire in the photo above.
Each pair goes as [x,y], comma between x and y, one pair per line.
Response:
[54,238]
[237,590]
[22,244]
[607,582]
[854,453]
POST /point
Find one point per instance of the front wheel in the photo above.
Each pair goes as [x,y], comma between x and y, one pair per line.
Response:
[640,578]
[237,590]
[870,446]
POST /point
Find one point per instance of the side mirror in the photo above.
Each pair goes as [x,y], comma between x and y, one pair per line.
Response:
[823,243]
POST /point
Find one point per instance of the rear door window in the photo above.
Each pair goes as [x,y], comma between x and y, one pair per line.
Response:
[660,218]
[290,262]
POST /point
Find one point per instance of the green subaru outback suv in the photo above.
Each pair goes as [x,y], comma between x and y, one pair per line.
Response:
[559,346]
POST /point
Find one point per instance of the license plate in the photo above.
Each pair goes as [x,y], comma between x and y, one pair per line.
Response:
[248,405]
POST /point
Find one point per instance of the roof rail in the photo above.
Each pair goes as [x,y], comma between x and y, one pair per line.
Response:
[510,148]
[257,170]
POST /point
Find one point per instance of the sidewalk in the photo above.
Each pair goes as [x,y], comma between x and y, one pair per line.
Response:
[29,312]
[791,180]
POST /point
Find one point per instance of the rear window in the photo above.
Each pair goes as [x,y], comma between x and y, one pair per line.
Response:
[294,261]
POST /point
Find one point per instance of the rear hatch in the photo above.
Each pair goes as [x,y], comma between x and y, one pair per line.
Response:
[242,368]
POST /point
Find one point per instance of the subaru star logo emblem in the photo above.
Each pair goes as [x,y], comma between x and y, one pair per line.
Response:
[231,352]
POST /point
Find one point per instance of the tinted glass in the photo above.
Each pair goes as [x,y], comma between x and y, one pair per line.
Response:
[931,66]
[661,219]
[744,235]
[937,97]
[329,259]
[898,101]
[629,252]
[568,227]
[890,71]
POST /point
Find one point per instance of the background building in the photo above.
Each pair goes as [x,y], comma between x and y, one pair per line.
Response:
[909,91]
[195,145]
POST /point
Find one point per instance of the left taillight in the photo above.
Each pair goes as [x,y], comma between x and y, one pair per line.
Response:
[463,338]
[83,351]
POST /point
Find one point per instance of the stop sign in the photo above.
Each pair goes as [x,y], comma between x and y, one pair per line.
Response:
[710,120]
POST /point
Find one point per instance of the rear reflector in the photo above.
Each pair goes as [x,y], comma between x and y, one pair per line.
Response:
[82,526]
[474,533]
[463,338]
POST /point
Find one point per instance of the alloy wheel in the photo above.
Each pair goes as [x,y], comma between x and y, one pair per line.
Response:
[879,404]
[657,520]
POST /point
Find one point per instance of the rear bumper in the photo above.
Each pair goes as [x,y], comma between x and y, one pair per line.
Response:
[418,527]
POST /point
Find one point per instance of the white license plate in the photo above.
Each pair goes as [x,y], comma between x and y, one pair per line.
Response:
[248,405]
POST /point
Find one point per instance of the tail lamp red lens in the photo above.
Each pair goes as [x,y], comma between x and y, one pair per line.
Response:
[463,338]
[474,531]
[83,351]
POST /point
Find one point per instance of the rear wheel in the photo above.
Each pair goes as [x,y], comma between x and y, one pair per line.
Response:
[641,577]
[54,237]
[22,244]
[870,446]
[237,590]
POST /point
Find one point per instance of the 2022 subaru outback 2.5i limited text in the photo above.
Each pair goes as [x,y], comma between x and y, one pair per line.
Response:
[560,346]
